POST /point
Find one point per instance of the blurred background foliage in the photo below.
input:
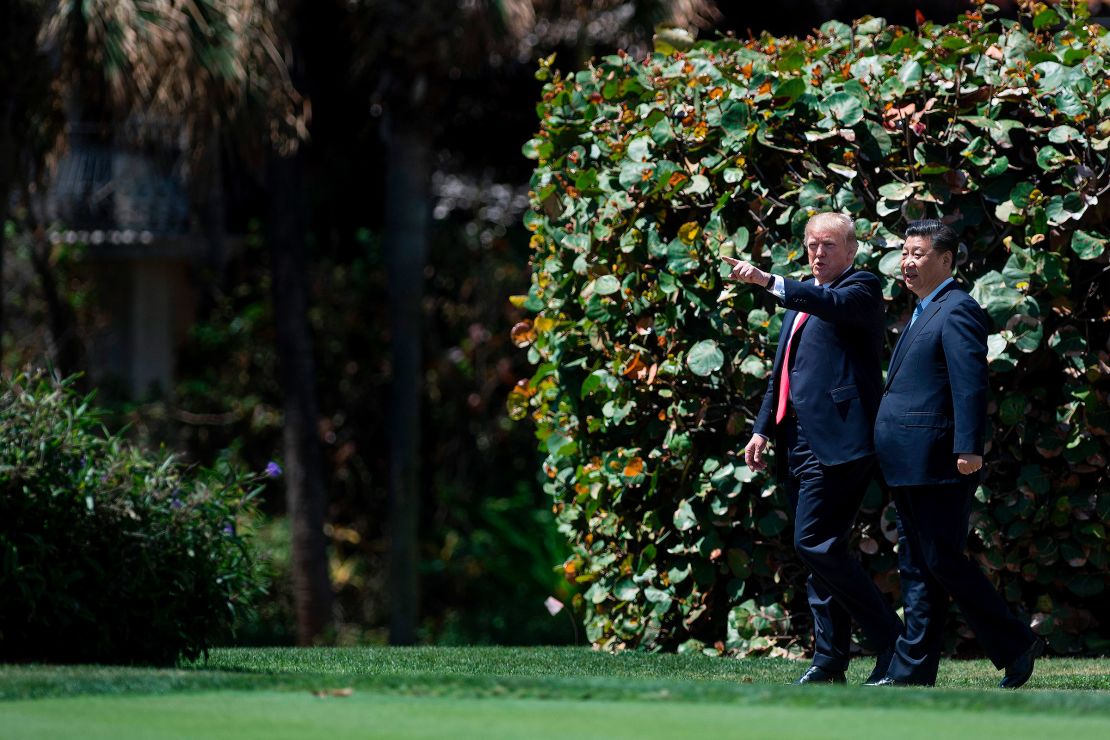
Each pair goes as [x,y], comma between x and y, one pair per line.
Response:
[651,367]
[318,119]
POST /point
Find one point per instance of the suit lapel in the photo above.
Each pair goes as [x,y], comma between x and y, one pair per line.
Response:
[842,277]
[911,332]
[788,320]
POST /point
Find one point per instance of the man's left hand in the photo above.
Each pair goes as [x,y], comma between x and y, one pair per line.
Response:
[746,272]
[968,464]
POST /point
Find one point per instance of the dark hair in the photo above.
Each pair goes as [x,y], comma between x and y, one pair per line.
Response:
[943,237]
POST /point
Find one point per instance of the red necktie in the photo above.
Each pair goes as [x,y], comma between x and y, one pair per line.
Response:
[784,375]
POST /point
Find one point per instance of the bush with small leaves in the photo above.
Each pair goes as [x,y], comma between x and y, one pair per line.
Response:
[650,367]
[108,553]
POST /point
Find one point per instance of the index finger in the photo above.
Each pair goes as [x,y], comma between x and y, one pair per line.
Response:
[730,260]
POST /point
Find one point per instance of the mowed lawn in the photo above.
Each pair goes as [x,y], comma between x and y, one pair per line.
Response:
[536,693]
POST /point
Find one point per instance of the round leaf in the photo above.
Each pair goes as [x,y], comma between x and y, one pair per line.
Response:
[705,358]
[1087,245]
[845,108]
[684,519]
[606,285]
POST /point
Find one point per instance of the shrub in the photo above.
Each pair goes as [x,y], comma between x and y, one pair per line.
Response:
[651,368]
[108,553]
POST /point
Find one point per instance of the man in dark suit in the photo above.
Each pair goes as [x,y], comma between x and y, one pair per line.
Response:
[819,408]
[929,439]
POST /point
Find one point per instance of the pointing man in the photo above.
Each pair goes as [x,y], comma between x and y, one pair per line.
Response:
[819,408]
[929,439]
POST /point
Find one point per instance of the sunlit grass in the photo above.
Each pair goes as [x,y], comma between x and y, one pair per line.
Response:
[1058,685]
[274,715]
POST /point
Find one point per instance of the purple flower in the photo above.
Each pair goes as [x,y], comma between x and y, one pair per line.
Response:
[273,470]
[229,529]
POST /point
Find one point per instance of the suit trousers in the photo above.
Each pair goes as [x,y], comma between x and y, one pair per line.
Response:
[826,499]
[933,562]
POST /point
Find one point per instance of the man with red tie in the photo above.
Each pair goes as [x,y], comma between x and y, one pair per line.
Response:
[819,409]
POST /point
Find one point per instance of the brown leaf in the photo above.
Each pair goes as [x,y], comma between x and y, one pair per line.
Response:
[634,467]
[523,334]
[635,367]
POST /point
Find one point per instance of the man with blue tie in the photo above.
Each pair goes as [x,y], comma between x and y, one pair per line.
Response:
[929,437]
[819,407]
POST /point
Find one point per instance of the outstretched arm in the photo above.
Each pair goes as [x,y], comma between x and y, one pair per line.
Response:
[857,300]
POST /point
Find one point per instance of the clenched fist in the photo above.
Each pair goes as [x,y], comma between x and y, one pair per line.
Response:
[968,464]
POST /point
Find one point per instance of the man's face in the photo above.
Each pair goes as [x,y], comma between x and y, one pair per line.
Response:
[923,268]
[829,253]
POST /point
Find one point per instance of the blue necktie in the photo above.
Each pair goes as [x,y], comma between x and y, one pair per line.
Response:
[916,312]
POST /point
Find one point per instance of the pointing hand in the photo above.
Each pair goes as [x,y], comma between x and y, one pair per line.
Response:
[746,272]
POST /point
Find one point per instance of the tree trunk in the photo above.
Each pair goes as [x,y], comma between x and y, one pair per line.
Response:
[4,191]
[408,164]
[211,210]
[304,489]
[67,351]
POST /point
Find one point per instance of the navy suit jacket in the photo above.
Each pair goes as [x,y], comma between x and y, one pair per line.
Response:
[934,405]
[835,377]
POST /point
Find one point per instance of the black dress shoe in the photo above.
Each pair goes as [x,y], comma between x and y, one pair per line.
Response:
[885,681]
[1018,672]
[820,675]
[882,665]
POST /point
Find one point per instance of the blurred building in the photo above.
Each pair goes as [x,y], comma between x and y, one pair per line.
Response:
[128,202]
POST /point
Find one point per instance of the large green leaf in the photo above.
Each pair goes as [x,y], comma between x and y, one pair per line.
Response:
[684,518]
[999,300]
[845,109]
[896,191]
[606,285]
[705,358]
[1053,75]
[1086,245]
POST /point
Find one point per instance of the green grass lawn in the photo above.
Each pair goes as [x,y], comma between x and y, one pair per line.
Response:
[535,692]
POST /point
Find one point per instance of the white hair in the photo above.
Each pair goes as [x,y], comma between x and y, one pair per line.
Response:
[842,222]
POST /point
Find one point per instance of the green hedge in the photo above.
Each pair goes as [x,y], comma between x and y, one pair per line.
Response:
[651,368]
[109,554]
